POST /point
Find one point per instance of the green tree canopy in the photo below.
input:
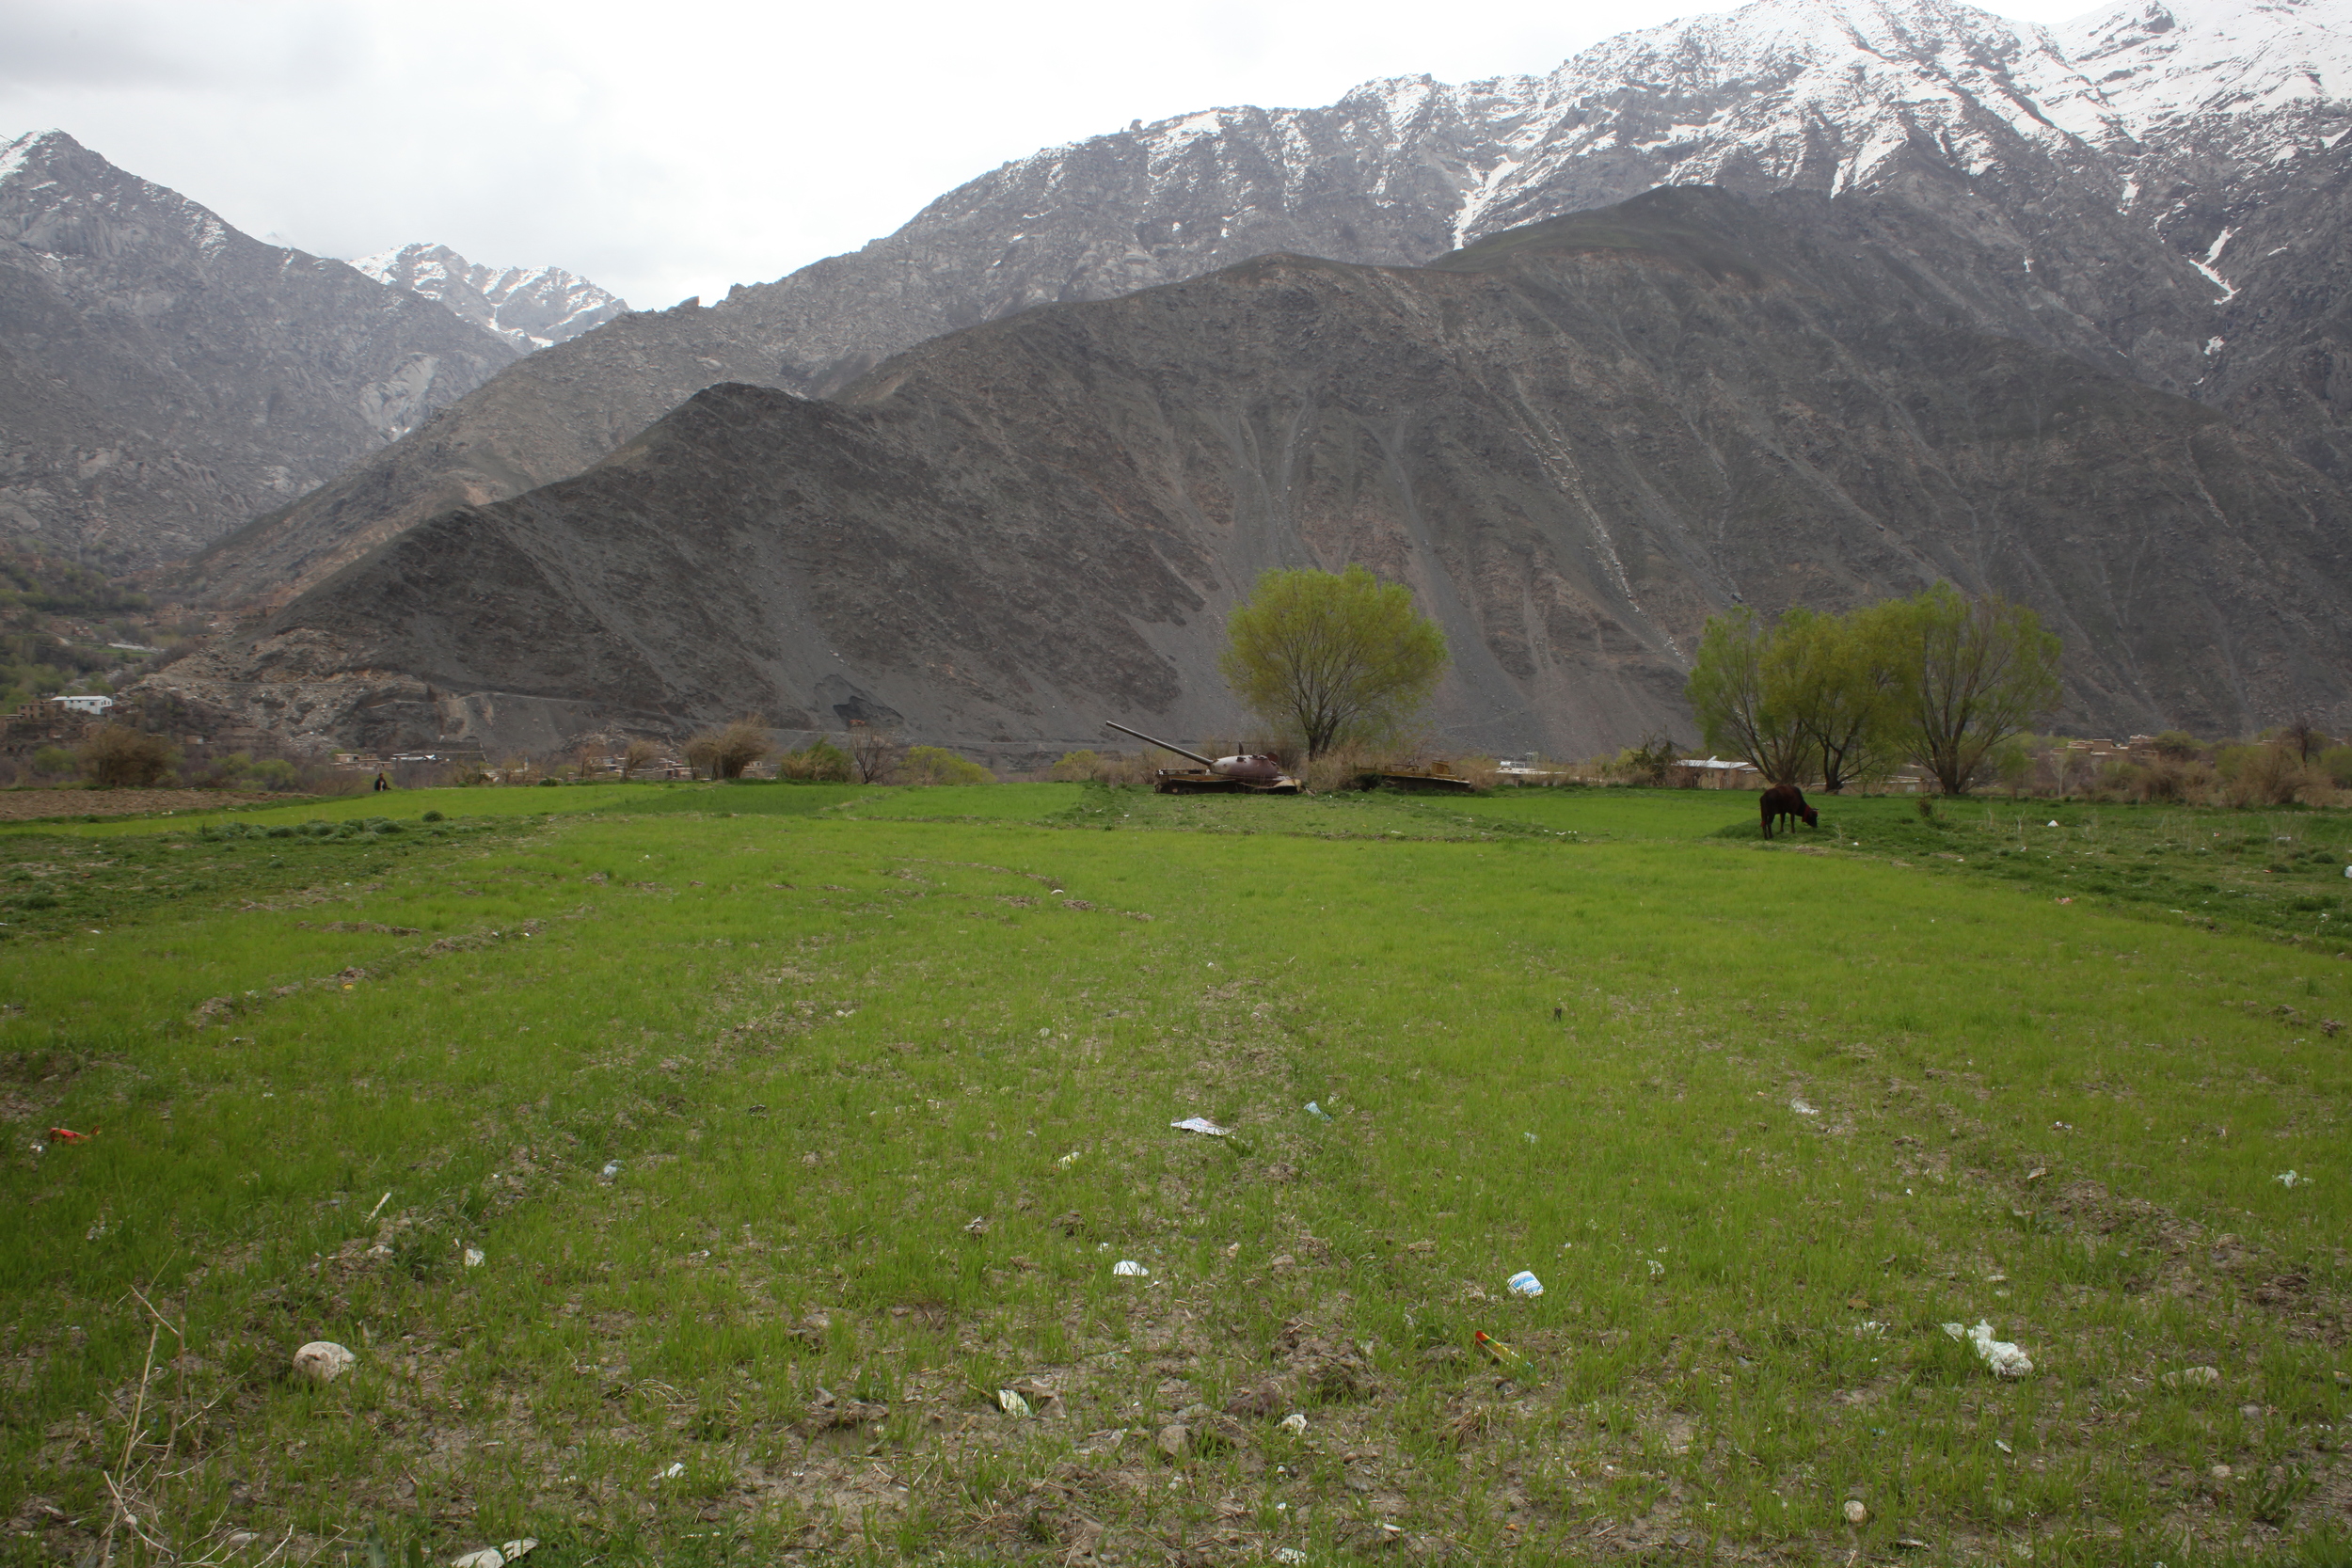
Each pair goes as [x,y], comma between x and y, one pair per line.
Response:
[1730,693]
[1974,673]
[1332,657]
[1938,679]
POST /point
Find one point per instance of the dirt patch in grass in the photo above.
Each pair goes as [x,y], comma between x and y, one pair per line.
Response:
[32,805]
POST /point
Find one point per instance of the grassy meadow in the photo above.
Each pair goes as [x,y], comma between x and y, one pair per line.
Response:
[690,1168]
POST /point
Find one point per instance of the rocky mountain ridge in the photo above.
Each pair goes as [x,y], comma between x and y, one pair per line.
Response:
[1575,440]
[530,307]
[2107,174]
[163,374]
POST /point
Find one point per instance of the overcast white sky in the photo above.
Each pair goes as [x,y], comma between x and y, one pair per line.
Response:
[667,151]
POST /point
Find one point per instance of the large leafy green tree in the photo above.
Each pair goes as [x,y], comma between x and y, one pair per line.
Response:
[1973,671]
[1332,657]
[1731,691]
[1837,684]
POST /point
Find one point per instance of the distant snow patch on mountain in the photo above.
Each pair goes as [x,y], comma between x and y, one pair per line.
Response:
[529,307]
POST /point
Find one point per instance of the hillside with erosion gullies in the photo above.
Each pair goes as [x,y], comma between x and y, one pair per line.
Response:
[2157,190]
[1576,440]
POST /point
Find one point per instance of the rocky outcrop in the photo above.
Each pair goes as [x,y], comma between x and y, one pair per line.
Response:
[1575,440]
[163,377]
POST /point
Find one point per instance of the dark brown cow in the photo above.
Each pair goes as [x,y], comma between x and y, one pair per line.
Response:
[1787,801]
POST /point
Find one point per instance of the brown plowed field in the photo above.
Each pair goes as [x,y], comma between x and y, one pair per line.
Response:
[20,805]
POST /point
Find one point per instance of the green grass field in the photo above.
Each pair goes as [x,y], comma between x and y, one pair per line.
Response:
[887,1076]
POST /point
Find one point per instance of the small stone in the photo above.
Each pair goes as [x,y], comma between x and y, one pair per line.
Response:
[2193,1377]
[1857,1513]
[1295,1423]
[1172,1440]
[473,1257]
[2221,1472]
[323,1361]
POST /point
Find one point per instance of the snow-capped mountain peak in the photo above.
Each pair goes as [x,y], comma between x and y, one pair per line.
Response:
[2158,60]
[529,307]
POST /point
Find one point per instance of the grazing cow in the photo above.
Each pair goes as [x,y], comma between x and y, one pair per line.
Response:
[1787,801]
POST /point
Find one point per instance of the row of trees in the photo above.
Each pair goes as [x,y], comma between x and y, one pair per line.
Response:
[1938,679]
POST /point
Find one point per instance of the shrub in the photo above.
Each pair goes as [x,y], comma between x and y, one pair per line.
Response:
[936,764]
[2336,763]
[1077,766]
[118,757]
[723,753]
[433,816]
[818,761]
[56,762]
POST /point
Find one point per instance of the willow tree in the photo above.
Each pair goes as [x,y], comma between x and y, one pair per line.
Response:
[1334,659]
[1974,673]
[1731,692]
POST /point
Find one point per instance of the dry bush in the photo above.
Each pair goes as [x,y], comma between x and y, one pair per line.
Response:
[116,757]
[1338,769]
[1482,772]
[636,755]
[2268,775]
[723,753]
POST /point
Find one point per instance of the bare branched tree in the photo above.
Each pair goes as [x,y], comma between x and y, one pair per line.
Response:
[874,752]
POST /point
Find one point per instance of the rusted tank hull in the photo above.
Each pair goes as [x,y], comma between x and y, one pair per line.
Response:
[1173,781]
[1427,783]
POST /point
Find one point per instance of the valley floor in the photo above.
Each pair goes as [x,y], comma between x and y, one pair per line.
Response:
[691,1167]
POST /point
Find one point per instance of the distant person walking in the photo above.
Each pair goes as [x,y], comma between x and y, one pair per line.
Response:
[382,784]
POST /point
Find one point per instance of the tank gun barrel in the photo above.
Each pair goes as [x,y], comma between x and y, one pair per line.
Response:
[1163,745]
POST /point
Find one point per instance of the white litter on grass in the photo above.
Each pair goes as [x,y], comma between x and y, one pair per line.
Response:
[1069,1158]
[498,1557]
[1803,1109]
[1289,1554]
[1132,1269]
[1294,1423]
[2005,1358]
[610,1170]
[2054,823]
[1524,1283]
[1198,1124]
[2288,1179]
[1655,1266]
[473,1257]
[1012,1404]
[678,1468]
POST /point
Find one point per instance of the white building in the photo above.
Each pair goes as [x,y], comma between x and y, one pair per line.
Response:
[85,705]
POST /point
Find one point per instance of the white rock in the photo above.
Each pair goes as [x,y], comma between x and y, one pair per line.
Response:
[473,1257]
[1295,1423]
[2194,1377]
[323,1360]
[1129,1267]
[497,1556]
[1856,1512]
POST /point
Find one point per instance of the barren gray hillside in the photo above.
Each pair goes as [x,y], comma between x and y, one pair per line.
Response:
[2090,198]
[164,376]
[1575,440]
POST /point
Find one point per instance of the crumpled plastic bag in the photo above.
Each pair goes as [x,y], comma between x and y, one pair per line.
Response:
[2005,1358]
